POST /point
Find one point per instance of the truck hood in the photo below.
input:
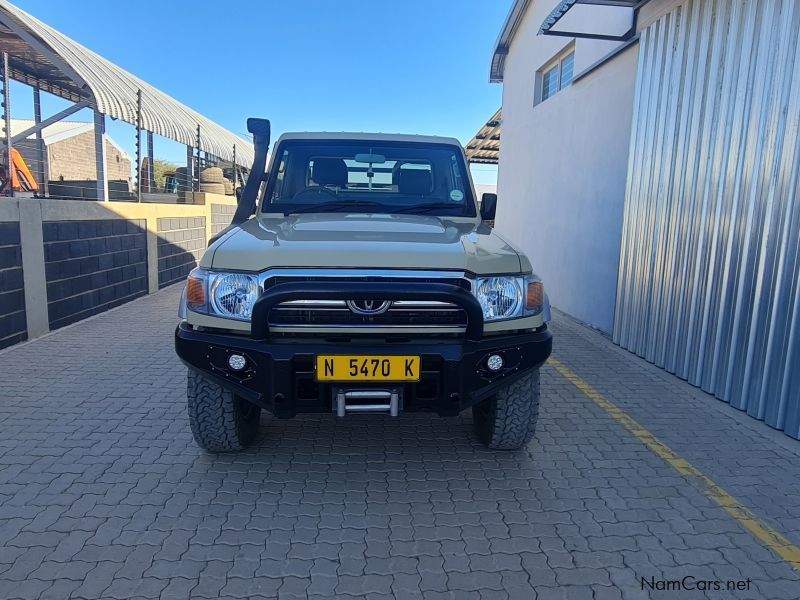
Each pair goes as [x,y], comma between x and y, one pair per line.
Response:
[368,241]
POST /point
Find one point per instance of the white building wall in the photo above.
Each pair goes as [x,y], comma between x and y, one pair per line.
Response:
[563,165]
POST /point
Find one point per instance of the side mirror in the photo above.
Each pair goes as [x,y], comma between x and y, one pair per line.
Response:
[488,206]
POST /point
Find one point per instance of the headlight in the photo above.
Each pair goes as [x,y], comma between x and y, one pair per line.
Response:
[233,295]
[499,297]
[509,297]
[227,295]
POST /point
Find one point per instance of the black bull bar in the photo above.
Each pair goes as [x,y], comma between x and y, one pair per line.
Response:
[358,290]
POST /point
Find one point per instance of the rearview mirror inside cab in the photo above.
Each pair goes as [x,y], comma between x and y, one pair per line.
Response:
[488,206]
[371,159]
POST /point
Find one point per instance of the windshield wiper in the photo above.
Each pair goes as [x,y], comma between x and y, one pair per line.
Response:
[335,206]
[423,208]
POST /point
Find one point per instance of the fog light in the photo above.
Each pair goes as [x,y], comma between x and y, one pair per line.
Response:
[237,362]
[494,362]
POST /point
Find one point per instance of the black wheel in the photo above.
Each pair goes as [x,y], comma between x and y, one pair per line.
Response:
[220,421]
[507,420]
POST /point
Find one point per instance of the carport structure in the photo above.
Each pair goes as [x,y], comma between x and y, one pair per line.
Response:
[38,55]
[484,148]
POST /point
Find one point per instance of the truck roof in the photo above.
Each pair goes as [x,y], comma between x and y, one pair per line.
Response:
[376,137]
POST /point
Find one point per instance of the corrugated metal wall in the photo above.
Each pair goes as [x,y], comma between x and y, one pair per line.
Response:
[708,282]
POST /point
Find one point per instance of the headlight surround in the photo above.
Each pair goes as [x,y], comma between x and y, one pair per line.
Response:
[503,297]
[226,295]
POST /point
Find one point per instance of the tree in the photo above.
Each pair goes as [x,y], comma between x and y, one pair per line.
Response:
[160,169]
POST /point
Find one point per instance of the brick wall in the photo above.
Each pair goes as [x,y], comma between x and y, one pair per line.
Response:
[221,217]
[13,326]
[71,167]
[181,242]
[73,158]
[91,266]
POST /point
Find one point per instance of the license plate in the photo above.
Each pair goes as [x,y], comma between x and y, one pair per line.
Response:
[367,368]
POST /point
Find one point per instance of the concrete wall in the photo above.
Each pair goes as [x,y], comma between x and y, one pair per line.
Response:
[563,165]
[13,327]
[221,217]
[62,261]
[92,265]
[181,243]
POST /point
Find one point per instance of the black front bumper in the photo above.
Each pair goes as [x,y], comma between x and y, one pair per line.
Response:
[280,375]
[280,371]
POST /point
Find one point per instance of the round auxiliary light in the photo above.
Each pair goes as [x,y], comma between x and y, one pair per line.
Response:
[237,362]
[494,362]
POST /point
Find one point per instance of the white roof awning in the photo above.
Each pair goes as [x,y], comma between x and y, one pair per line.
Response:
[612,20]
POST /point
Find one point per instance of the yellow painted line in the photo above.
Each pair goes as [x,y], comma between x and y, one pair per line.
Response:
[768,536]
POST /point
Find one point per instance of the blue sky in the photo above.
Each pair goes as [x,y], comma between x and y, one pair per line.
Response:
[418,66]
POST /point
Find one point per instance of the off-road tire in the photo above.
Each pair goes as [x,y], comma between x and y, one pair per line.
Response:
[213,188]
[220,421]
[211,175]
[507,420]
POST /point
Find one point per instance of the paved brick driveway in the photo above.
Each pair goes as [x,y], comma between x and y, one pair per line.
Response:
[103,493]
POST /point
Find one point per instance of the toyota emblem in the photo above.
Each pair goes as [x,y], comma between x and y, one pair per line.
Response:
[368,308]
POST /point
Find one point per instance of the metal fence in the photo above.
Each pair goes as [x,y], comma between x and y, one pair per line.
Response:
[708,283]
[60,160]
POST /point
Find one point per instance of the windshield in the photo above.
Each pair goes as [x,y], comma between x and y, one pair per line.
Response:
[366,177]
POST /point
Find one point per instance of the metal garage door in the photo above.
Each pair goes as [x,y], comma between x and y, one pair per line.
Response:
[708,283]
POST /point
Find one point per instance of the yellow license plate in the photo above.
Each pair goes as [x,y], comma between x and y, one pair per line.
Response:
[367,368]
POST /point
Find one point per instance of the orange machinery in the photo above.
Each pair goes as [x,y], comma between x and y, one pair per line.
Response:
[22,180]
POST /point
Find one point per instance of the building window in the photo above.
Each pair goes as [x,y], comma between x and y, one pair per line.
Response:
[557,75]
[549,83]
[567,65]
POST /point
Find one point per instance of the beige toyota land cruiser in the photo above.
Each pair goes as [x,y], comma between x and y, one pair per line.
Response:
[359,276]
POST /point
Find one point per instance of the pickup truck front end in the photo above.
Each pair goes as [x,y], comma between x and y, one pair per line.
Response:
[432,319]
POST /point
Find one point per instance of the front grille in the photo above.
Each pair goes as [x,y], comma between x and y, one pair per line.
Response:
[297,314]
[336,313]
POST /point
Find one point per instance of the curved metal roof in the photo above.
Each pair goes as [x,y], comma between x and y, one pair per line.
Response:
[41,55]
